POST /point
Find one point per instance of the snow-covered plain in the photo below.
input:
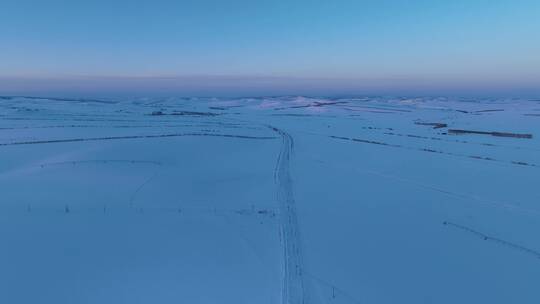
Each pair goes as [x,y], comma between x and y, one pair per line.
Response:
[269,200]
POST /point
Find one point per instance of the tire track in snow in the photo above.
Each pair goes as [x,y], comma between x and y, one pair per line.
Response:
[69,140]
[293,284]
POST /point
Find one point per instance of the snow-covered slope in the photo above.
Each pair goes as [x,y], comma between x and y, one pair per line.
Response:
[269,200]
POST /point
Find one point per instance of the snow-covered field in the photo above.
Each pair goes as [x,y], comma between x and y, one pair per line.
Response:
[269,200]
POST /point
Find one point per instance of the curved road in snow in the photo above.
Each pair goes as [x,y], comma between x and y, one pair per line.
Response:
[293,284]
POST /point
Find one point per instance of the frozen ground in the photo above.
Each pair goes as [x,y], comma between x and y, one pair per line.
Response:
[269,200]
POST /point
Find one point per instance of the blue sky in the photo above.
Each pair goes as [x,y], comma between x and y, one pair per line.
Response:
[213,47]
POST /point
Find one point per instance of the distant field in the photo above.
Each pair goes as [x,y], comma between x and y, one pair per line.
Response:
[269,200]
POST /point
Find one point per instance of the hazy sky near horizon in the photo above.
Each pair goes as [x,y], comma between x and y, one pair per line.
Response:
[207,45]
